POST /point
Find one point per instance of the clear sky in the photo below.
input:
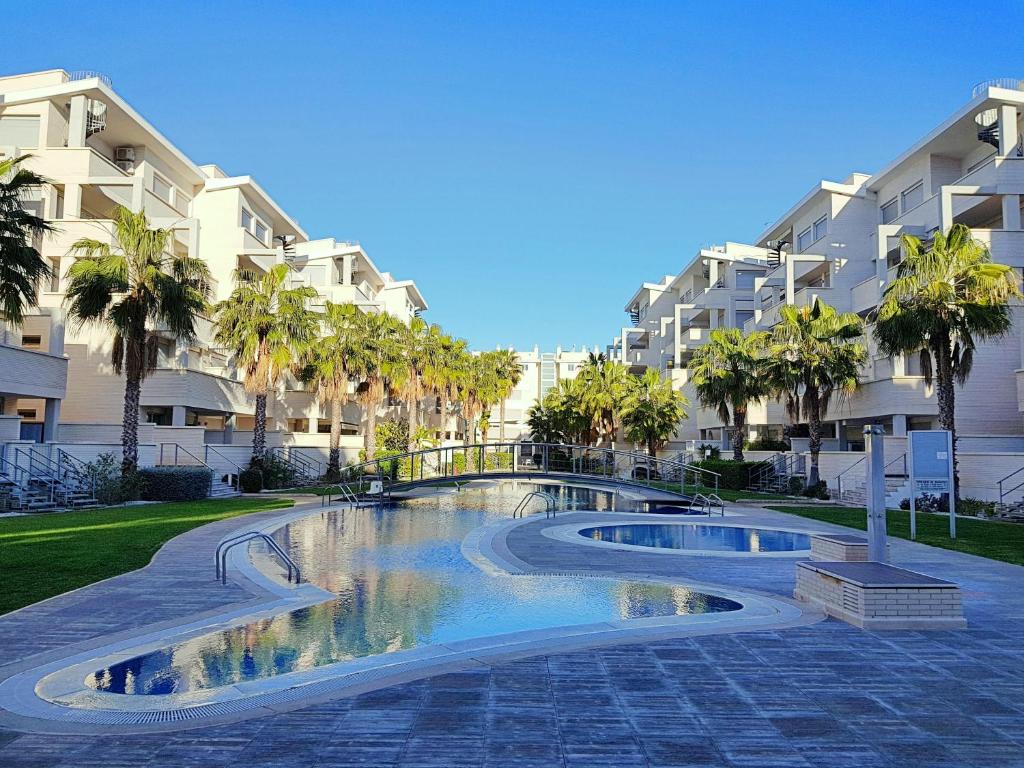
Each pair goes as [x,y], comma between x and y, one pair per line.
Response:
[530,164]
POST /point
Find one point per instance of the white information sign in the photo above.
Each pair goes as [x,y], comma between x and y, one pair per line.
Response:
[930,453]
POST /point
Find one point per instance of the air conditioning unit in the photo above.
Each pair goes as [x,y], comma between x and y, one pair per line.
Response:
[128,166]
[124,153]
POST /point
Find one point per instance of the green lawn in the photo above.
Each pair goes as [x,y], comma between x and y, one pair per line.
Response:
[45,555]
[995,540]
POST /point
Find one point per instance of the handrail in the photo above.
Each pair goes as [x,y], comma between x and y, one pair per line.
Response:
[178,448]
[1003,494]
[228,459]
[343,491]
[221,555]
[305,466]
[839,477]
[550,504]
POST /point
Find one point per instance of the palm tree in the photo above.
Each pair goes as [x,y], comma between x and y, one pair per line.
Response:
[131,286]
[946,297]
[545,424]
[564,404]
[603,386]
[478,388]
[814,356]
[417,347]
[267,327]
[379,365]
[726,373]
[651,410]
[441,371]
[328,365]
[21,266]
[510,373]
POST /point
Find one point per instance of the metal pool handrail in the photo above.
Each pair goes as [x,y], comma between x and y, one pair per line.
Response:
[343,491]
[221,556]
[550,504]
[708,502]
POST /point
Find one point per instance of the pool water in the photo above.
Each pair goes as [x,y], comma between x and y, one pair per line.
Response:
[401,582]
[718,538]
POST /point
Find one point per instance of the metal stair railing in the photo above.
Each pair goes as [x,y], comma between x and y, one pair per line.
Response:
[839,477]
[208,449]
[550,504]
[35,472]
[1005,488]
[304,468]
[221,555]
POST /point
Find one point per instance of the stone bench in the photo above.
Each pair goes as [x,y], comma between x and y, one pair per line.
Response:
[878,596]
[839,548]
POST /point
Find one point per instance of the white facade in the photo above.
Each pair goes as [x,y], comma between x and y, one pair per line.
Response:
[840,243]
[98,153]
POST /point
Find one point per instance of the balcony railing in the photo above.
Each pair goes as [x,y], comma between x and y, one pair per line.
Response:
[1007,83]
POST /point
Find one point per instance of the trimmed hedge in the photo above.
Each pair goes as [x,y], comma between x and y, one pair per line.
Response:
[175,483]
[735,474]
[250,481]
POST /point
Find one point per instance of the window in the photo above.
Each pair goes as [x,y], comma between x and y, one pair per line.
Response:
[821,228]
[803,240]
[912,197]
[745,280]
[27,413]
[54,275]
[246,220]
[31,342]
[742,315]
[260,231]
[21,132]
[890,211]
[162,188]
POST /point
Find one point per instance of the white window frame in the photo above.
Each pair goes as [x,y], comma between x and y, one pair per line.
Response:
[823,221]
[802,245]
[894,204]
[911,189]
[256,227]
[247,225]
[158,179]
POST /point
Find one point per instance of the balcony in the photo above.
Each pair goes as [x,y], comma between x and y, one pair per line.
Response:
[75,163]
[865,295]
[29,373]
[196,390]
[805,297]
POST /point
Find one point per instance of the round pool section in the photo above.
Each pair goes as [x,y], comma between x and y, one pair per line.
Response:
[698,537]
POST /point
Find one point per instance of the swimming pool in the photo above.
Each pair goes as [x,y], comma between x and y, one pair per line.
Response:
[401,582]
[699,537]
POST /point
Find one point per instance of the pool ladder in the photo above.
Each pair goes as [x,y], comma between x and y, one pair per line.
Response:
[708,503]
[243,538]
[550,504]
[344,492]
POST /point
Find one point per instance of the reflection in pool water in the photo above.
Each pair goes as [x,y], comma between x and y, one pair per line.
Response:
[720,538]
[401,582]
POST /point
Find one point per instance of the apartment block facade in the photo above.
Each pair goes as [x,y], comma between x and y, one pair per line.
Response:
[97,153]
[840,243]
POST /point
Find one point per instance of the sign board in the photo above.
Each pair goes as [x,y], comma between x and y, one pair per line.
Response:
[930,459]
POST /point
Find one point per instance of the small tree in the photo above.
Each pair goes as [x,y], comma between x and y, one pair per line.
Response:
[946,297]
[726,373]
[814,357]
[132,286]
[651,410]
[603,385]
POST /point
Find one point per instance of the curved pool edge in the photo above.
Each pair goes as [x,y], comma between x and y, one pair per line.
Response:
[570,533]
[62,681]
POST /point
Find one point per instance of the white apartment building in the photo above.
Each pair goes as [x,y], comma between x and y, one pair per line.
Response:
[97,153]
[840,243]
[541,372]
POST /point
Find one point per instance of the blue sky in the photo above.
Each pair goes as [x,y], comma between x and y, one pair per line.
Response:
[530,164]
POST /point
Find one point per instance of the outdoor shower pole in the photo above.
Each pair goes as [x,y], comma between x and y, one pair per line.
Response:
[874,475]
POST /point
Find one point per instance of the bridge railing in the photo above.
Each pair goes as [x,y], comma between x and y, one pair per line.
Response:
[481,459]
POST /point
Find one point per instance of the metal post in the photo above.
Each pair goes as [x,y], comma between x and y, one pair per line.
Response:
[875,485]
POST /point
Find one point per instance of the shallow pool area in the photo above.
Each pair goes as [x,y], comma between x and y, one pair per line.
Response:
[699,537]
[401,582]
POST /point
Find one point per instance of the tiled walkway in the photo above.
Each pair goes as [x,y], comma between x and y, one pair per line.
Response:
[823,695]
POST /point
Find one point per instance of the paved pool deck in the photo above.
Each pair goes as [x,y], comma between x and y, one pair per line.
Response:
[826,694]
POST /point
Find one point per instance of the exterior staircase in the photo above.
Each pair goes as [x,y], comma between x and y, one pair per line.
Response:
[853,483]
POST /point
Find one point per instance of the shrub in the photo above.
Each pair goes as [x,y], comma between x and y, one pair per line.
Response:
[392,435]
[703,448]
[817,491]
[768,444]
[277,474]
[797,485]
[250,481]
[499,460]
[735,475]
[110,486]
[975,507]
[175,483]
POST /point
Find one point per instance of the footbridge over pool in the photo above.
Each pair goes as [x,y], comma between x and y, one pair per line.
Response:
[458,463]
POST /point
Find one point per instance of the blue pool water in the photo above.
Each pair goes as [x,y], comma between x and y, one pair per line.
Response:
[401,582]
[720,538]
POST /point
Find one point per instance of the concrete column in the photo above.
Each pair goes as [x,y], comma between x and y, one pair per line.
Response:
[178,416]
[1011,212]
[874,475]
[899,425]
[77,120]
[790,280]
[1007,129]
[229,428]
[346,269]
[945,210]
[72,201]
[56,342]
[844,444]
[51,419]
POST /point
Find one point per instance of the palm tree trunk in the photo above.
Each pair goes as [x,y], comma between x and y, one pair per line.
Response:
[739,426]
[371,430]
[501,423]
[814,431]
[130,423]
[945,393]
[414,418]
[334,452]
[259,432]
[444,416]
